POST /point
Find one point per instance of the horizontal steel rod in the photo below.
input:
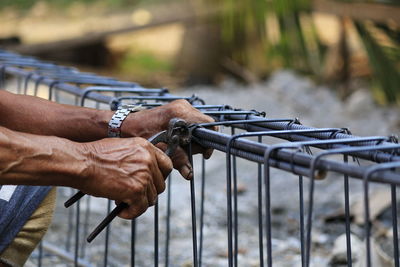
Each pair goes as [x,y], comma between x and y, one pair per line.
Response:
[265,126]
[65,87]
[255,152]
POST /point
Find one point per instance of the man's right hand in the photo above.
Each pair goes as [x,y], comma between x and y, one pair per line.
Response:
[129,170]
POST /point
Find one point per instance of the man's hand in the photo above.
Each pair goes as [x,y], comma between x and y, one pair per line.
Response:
[149,122]
[129,170]
[146,123]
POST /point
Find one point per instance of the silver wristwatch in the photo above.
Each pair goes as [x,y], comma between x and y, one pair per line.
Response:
[114,126]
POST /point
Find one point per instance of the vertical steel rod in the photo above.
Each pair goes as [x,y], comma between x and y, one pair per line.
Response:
[193,209]
[235,209]
[394,225]
[70,226]
[107,238]
[133,241]
[202,200]
[168,221]
[347,215]
[229,207]
[156,234]
[268,212]
[301,211]
[86,225]
[260,216]
[366,177]
[77,218]
[40,254]
[367,228]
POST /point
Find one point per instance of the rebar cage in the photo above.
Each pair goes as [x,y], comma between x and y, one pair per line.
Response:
[251,144]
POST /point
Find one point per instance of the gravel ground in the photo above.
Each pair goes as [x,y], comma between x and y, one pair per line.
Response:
[284,95]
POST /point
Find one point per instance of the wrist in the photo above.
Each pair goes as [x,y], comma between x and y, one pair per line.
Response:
[128,128]
[68,163]
[102,119]
[81,162]
[117,120]
[65,162]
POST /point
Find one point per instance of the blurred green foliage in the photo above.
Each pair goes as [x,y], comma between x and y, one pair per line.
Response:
[297,45]
[143,62]
[384,61]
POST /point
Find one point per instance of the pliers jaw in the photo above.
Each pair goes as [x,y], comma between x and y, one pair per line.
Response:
[177,134]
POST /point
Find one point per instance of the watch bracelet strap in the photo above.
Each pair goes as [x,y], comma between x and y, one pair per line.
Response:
[114,125]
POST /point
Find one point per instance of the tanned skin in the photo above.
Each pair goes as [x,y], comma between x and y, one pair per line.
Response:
[46,143]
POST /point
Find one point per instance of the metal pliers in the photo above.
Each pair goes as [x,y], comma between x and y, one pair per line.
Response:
[177,134]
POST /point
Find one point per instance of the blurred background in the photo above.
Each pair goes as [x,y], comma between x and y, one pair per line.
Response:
[175,43]
[332,63]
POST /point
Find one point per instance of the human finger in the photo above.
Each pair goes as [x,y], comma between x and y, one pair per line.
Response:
[151,194]
[163,161]
[205,151]
[160,169]
[181,163]
[136,209]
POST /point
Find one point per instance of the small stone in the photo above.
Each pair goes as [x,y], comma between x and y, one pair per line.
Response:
[339,251]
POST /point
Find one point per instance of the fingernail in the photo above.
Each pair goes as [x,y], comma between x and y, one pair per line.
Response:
[190,175]
[207,154]
[187,171]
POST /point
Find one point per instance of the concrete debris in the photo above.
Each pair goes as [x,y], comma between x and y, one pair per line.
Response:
[379,201]
[339,251]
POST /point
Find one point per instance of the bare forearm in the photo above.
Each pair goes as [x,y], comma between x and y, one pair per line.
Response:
[38,160]
[38,116]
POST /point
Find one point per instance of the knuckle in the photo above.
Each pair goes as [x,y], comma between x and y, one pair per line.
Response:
[181,102]
[139,188]
[141,141]
[180,106]
[142,208]
[147,158]
[144,155]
